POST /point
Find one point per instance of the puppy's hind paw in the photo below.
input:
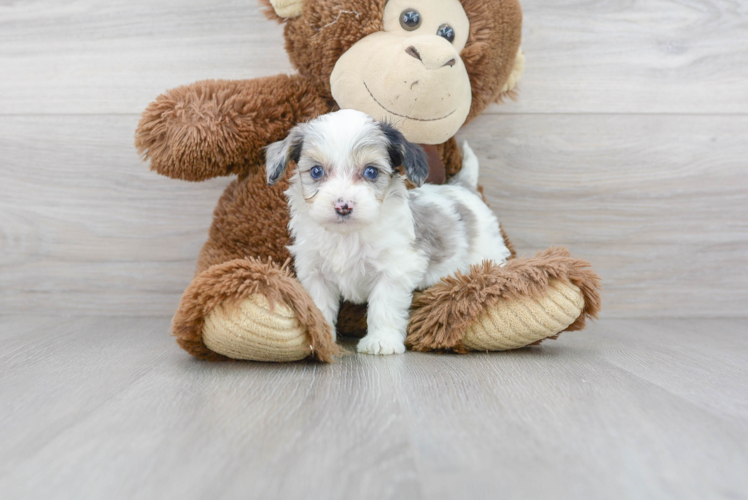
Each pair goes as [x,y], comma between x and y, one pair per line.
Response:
[380,346]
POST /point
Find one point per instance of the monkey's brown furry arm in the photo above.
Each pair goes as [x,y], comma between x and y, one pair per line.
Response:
[219,127]
[451,156]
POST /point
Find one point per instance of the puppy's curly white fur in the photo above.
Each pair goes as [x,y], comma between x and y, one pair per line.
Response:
[359,234]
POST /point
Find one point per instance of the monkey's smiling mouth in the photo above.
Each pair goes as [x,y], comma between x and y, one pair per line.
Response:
[406,116]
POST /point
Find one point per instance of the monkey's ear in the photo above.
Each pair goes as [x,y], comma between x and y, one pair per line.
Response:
[410,156]
[283,9]
[278,154]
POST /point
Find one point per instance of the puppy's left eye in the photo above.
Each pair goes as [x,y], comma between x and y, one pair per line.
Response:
[316,172]
[371,173]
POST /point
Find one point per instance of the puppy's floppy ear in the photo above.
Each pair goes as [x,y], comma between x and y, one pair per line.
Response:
[405,153]
[278,154]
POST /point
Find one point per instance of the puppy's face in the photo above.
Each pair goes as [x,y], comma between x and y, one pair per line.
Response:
[346,168]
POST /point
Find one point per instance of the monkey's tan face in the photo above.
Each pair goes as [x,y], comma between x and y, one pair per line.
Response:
[410,74]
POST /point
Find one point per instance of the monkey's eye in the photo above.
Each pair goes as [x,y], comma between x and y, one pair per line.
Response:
[316,172]
[447,32]
[410,19]
[371,173]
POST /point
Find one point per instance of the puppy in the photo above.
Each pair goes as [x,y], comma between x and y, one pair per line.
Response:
[359,234]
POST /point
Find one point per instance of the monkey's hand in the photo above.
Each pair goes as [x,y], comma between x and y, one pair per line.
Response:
[219,127]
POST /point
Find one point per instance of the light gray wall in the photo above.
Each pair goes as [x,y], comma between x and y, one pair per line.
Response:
[628,144]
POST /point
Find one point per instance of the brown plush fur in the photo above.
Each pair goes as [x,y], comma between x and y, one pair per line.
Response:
[219,127]
[214,128]
[507,242]
[442,313]
[250,221]
[451,156]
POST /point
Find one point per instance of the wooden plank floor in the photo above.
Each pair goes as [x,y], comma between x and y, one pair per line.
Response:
[97,407]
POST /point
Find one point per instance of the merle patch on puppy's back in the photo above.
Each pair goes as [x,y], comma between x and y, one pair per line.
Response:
[468,218]
[436,232]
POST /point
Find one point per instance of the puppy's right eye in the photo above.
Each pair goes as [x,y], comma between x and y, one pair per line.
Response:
[316,172]
[371,173]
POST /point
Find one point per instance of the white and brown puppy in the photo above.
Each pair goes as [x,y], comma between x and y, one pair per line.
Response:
[361,235]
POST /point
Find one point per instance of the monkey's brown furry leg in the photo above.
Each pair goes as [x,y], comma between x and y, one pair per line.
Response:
[499,308]
[251,310]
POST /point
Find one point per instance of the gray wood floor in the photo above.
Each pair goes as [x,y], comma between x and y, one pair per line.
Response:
[97,407]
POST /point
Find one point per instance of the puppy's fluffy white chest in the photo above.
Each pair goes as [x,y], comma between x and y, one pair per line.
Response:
[354,262]
[350,263]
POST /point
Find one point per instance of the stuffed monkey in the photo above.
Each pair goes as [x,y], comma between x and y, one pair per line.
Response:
[428,67]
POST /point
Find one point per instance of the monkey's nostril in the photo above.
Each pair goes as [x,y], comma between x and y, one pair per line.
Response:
[451,62]
[413,52]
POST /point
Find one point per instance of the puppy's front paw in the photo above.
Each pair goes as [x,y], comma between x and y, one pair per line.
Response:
[380,345]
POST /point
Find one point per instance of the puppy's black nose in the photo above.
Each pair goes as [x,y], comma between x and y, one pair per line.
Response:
[343,207]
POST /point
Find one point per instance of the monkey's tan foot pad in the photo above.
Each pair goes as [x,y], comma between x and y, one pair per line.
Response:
[251,310]
[252,330]
[518,322]
[495,308]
